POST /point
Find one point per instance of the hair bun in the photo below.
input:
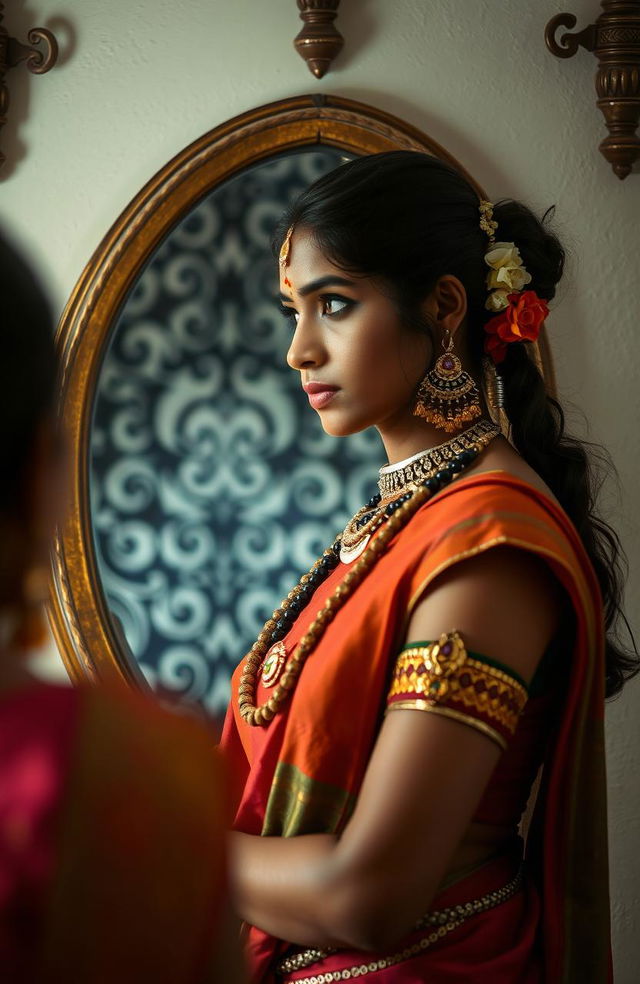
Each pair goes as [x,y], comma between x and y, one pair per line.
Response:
[540,249]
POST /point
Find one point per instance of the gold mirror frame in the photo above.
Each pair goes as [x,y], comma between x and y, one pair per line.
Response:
[86,637]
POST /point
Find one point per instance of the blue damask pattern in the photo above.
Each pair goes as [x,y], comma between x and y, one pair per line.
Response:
[212,483]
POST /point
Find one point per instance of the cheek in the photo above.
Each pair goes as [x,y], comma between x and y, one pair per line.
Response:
[392,360]
[417,354]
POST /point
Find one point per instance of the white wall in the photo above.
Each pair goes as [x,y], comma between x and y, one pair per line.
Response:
[141,80]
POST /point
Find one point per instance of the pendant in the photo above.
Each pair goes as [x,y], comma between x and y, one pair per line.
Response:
[346,556]
[273,664]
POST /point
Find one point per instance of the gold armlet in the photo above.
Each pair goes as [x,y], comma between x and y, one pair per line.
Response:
[443,678]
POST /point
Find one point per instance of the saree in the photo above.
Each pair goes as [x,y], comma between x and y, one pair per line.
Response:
[111,840]
[301,773]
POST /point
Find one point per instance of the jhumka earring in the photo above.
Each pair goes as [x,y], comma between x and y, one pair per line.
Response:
[447,396]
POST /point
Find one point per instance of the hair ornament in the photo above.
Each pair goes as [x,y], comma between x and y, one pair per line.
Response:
[487,222]
[283,260]
[519,315]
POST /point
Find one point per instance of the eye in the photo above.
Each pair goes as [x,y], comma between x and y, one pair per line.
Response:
[289,313]
[334,305]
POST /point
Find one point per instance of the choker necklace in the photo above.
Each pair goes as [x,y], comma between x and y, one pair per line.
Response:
[398,481]
[394,479]
[397,511]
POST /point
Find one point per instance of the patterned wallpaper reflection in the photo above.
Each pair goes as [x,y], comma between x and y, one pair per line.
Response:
[212,483]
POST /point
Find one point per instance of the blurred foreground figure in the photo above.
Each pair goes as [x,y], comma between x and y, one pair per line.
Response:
[111,821]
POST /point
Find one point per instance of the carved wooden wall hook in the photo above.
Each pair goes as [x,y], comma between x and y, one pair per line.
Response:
[319,41]
[615,40]
[39,60]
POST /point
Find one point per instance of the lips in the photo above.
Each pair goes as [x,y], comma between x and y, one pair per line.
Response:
[319,388]
[320,394]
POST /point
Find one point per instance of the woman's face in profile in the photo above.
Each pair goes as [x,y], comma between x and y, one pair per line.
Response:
[358,364]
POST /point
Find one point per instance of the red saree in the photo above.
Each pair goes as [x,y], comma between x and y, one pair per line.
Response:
[298,775]
[111,841]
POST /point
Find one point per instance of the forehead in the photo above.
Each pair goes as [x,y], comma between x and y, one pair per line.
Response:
[305,256]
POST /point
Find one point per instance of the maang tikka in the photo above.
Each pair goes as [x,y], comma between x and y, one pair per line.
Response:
[283,259]
[447,397]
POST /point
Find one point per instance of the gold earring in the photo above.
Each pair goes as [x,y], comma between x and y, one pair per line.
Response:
[447,396]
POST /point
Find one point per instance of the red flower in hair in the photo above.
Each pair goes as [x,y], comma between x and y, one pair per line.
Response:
[519,322]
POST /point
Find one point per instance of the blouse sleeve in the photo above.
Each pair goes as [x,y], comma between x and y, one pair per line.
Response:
[443,678]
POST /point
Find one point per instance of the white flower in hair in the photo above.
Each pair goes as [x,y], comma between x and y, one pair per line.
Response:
[503,254]
[507,272]
[508,278]
[497,300]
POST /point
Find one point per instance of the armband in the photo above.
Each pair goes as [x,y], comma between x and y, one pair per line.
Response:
[442,677]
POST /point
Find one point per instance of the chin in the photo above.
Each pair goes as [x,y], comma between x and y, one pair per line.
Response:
[342,427]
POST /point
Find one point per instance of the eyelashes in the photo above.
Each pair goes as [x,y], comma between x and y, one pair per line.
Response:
[327,301]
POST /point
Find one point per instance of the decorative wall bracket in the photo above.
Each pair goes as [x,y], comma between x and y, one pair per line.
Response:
[319,41]
[39,60]
[615,40]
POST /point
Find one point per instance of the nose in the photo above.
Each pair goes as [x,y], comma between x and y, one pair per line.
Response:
[305,350]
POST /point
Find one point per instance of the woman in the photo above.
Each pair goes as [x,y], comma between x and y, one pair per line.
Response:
[388,726]
[111,818]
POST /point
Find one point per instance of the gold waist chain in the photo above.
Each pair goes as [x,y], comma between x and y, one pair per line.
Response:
[444,921]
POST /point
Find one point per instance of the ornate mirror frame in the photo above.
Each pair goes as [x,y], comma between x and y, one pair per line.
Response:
[86,637]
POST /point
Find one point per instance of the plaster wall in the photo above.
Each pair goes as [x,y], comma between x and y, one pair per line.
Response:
[137,82]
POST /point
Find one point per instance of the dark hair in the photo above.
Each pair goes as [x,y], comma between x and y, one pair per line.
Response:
[27,372]
[406,219]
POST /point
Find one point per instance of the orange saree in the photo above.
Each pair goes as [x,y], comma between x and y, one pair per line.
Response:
[301,773]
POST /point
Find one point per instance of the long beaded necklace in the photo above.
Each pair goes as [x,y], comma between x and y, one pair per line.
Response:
[396,512]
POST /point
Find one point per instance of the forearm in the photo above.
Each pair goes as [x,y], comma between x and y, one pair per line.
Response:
[288,886]
[316,890]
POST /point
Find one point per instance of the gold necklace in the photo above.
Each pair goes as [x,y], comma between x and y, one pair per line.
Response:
[400,511]
[403,477]
[394,478]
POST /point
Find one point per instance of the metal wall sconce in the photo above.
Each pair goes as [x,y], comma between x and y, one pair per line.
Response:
[319,41]
[615,41]
[39,60]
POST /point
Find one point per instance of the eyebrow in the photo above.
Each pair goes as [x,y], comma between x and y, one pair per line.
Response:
[327,281]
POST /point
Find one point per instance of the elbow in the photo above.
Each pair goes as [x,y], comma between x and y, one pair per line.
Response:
[374,919]
[373,932]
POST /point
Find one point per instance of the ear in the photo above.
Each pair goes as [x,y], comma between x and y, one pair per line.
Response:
[446,305]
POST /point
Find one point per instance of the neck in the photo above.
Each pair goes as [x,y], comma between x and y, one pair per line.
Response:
[412,437]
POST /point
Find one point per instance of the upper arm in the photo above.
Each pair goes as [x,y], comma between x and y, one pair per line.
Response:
[504,602]
[428,772]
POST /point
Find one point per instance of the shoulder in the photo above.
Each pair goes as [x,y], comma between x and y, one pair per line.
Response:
[488,509]
[515,527]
